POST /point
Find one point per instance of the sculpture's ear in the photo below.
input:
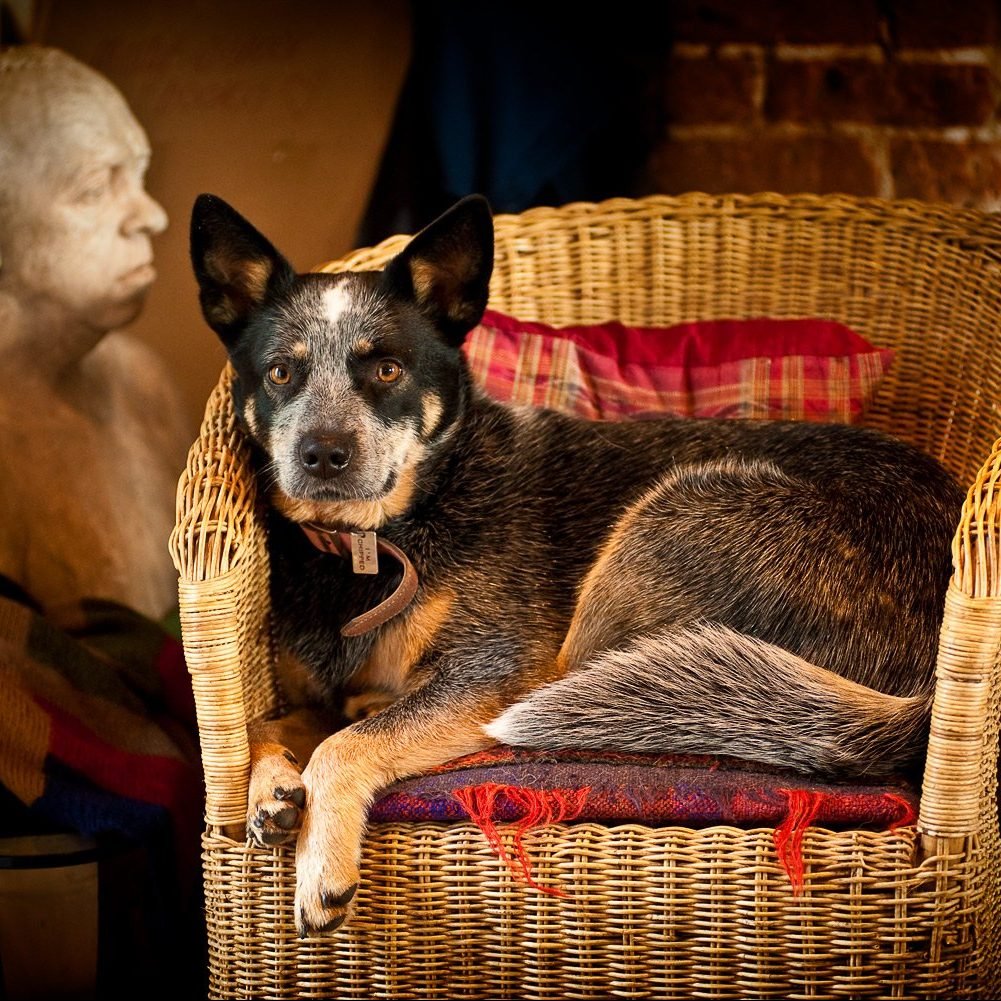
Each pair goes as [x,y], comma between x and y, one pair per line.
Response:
[238,270]
[446,268]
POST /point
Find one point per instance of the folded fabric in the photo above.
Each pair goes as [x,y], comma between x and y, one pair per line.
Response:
[533,788]
[97,723]
[788,369]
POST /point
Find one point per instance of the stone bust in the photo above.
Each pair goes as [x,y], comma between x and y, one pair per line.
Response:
[92,434]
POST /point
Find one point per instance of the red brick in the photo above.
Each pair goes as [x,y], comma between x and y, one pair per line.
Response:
[966,174]
[858,90]
[842,90]
[710,90]
[940,94]
[763,163]
[936,24]
[852,22]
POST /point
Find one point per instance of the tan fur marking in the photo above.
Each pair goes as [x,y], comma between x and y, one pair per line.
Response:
[218,267]
[402,644]
[431,410]
[365,704]
[363,346]
[577,634]
[255,278]
[297,682]
[369,515]
[299,350]
[423,276]
[249,275]
[300,732]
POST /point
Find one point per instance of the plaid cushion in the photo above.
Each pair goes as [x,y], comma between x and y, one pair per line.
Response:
[808,369]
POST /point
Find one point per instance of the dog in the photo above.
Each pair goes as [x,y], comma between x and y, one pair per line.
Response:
[769,590]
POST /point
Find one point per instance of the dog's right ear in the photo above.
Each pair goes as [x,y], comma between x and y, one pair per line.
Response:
[237,268]
[445,269]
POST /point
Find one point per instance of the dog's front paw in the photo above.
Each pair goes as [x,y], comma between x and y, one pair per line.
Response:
[277,800]
[326,876]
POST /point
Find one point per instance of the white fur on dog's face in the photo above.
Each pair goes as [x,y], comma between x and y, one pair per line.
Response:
[330,336]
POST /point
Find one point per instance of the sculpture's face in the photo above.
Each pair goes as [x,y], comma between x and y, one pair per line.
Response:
[79,228]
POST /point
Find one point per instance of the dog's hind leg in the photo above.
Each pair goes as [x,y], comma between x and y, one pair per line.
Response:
[706,689]
[700,625]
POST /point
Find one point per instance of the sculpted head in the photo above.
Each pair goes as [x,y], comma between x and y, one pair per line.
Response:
[75,218]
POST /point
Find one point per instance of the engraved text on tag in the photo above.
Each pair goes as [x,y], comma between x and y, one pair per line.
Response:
[364,555]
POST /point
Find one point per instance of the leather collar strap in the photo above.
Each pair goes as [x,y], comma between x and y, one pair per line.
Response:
[338,542]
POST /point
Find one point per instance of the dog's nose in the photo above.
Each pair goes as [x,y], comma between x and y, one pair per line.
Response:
[325,455]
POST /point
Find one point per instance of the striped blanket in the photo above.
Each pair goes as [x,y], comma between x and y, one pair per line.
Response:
[97,724]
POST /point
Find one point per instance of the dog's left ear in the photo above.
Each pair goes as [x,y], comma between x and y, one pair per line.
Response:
[237,268]
[446,268]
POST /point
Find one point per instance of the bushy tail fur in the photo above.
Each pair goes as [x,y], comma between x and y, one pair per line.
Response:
[710,690]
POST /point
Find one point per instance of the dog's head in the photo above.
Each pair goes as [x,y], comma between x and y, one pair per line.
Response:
[348,383]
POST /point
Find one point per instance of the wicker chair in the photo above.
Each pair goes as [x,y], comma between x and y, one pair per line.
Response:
[654,912]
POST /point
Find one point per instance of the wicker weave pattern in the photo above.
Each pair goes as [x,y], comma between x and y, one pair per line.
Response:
[656,912]
[653,914]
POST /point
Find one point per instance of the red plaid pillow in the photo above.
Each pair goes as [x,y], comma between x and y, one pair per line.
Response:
[815,370]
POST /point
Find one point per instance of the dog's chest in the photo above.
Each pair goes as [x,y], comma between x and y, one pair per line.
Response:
[404,643]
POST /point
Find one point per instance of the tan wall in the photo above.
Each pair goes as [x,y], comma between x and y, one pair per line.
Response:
[280,108]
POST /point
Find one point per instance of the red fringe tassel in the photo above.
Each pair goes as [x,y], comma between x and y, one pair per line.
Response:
[804,804]
[539,807]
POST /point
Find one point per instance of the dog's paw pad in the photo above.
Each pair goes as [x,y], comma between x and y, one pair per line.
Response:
[276,821]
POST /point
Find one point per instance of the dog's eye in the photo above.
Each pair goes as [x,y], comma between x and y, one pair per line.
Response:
[279,375]
[388,370]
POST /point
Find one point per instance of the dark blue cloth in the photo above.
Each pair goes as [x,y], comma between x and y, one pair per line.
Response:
[525,103]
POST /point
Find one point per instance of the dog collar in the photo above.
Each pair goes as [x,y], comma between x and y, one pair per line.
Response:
[343,543]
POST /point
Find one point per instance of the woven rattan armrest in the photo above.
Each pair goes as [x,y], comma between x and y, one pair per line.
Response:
[961,770]
[219,549]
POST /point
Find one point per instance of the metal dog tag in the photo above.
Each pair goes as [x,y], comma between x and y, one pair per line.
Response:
[364,555]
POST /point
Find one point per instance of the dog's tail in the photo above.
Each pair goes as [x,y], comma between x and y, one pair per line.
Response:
[707,689]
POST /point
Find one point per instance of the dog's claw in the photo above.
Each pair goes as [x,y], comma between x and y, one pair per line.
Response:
[326,911]
[295,795]
[305,927]
[330,901]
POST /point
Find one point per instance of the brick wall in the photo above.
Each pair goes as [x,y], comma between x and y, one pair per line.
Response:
[894,98]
